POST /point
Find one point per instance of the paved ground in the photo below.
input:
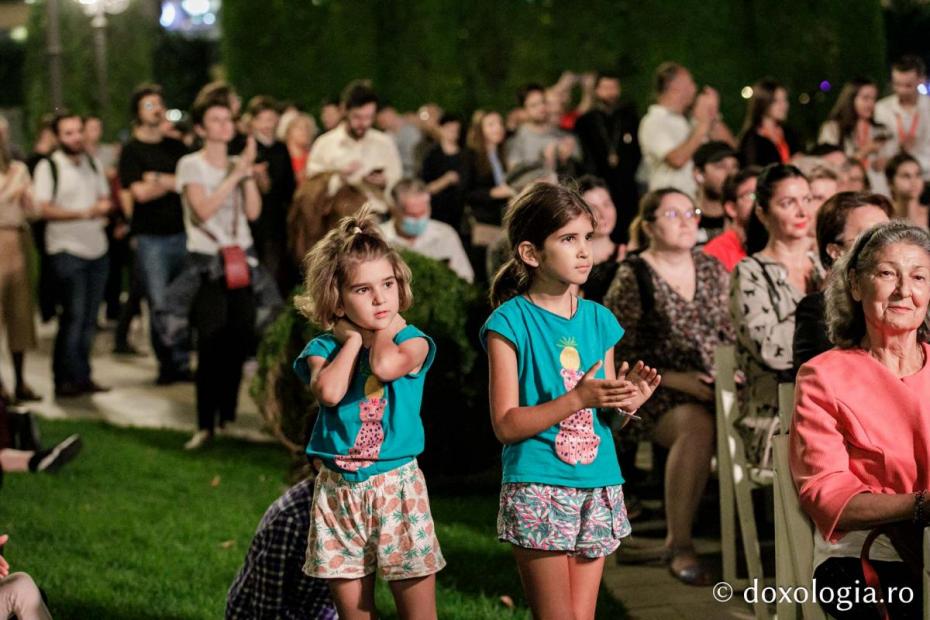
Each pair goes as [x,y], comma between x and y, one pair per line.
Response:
[647,590]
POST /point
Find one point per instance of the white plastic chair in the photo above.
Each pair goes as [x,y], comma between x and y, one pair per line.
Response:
[737,480]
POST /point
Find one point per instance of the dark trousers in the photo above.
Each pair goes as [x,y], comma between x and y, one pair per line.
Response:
[837,573]
[224,322]
[159,259]
[80,286]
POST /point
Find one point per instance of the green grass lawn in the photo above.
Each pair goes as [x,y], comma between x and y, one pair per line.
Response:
[138,528]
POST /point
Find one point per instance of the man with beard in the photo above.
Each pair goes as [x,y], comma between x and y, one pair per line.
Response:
[362,155]
[146,170]
[739,196]
[73,196]
[608,136]
[713,163]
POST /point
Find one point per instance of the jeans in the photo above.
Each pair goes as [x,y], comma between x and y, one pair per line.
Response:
[80,283]
[160,258]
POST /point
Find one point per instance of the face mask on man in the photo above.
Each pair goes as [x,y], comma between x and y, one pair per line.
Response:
[413,226]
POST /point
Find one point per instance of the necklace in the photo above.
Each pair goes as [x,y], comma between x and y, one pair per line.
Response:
[571,304]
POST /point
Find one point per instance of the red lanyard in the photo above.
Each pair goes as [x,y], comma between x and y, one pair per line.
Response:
[902,137]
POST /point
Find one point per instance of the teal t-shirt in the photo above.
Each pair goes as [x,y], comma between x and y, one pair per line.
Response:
[553,353]
[376,427]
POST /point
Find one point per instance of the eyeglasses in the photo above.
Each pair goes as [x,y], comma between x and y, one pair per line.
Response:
[674,214]
[148,105]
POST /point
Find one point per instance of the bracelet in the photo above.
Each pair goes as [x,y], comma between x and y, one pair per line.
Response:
[920,514]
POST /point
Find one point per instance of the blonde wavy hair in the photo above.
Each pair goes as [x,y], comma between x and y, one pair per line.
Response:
[330,262]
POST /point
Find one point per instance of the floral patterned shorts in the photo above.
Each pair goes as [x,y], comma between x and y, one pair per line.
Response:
[584,522]
[382,523]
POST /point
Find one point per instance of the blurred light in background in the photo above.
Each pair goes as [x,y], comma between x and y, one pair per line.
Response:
[746,93]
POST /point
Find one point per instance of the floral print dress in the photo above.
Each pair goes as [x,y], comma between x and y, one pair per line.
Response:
[677,334]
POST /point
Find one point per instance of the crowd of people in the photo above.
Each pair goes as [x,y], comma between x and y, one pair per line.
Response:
[612,246]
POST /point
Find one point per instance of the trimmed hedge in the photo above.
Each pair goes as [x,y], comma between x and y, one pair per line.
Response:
[465,55]
[455,410]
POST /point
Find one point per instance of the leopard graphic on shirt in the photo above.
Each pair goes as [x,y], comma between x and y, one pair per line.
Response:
[576,441]
[370,436]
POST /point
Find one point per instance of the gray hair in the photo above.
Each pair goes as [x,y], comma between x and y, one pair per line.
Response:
[844,317]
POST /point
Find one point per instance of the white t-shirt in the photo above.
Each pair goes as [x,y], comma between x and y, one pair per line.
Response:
[439,241]
[79,188]
[888,112]
[661,132]
[850,546]
[194,168]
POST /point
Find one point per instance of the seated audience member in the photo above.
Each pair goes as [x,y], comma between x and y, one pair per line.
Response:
[607,254]
[765,139]
[443,172]
[411,227]
[406,135]
[299,132]
[271,583]
[853,177]
[671,299]
[839,222]
[19,596]
[739,197]
[860,434]
[14,461]
[906,181]
[713,163]
[539,142]
[764,293]
[824,184]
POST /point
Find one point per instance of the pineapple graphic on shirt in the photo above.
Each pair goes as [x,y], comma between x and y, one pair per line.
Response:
[576,441]
[371,435]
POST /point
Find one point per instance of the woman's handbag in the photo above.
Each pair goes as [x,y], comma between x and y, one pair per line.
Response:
[235,261]
[907,539]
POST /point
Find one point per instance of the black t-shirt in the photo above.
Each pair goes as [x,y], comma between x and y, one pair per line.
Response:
[162,216]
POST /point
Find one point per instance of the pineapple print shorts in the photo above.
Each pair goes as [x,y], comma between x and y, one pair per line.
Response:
[587,523]
[382,523]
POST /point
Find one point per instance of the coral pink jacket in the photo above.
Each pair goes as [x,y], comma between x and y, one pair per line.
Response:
[857,428]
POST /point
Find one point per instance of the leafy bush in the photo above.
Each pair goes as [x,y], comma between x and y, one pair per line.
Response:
[449,310]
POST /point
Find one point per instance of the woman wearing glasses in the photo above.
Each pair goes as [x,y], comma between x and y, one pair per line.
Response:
[764,293]
[672,301]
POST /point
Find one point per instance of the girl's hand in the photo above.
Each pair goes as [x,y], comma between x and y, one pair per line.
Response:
[346,330]
[396,325]
[603,393]
[644,379]
[697,384]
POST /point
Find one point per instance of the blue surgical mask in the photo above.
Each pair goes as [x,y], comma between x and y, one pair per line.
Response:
[413,226]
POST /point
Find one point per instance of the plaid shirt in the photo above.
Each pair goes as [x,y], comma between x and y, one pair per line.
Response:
[272,583]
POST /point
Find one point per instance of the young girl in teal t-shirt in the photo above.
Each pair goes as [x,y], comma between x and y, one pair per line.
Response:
[553,389]
[370,506]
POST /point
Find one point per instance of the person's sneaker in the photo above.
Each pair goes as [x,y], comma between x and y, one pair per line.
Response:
[199,439]
[52,460]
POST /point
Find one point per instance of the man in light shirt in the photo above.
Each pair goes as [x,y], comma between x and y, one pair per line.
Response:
[412,228]
[668,138]
[362,155]
[906,113]
[73,196]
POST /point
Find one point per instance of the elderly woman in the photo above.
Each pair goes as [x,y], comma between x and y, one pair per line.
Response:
[764,293]
[671,300]
[839,222]
[860,437]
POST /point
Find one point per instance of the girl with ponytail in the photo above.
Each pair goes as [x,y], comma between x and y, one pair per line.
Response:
[554,390]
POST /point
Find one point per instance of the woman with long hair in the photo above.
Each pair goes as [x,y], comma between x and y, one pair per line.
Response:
[851,125]
[765,139]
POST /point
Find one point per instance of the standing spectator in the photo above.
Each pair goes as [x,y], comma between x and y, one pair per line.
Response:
[276,183]
[330,114]
[739,197]
[537,141]
[765,139]
[45,144]
[299,132]
[851,125]
[227,93]
[443,171]
[486,190]
[764,293]
[906,113]
[146,169]
[272,583]
[411,227]
[74,198]
[713,162]
[906,181]
[359,153]
[16,309]
[666,135]
[406,135]
[608,135]
[220,197]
